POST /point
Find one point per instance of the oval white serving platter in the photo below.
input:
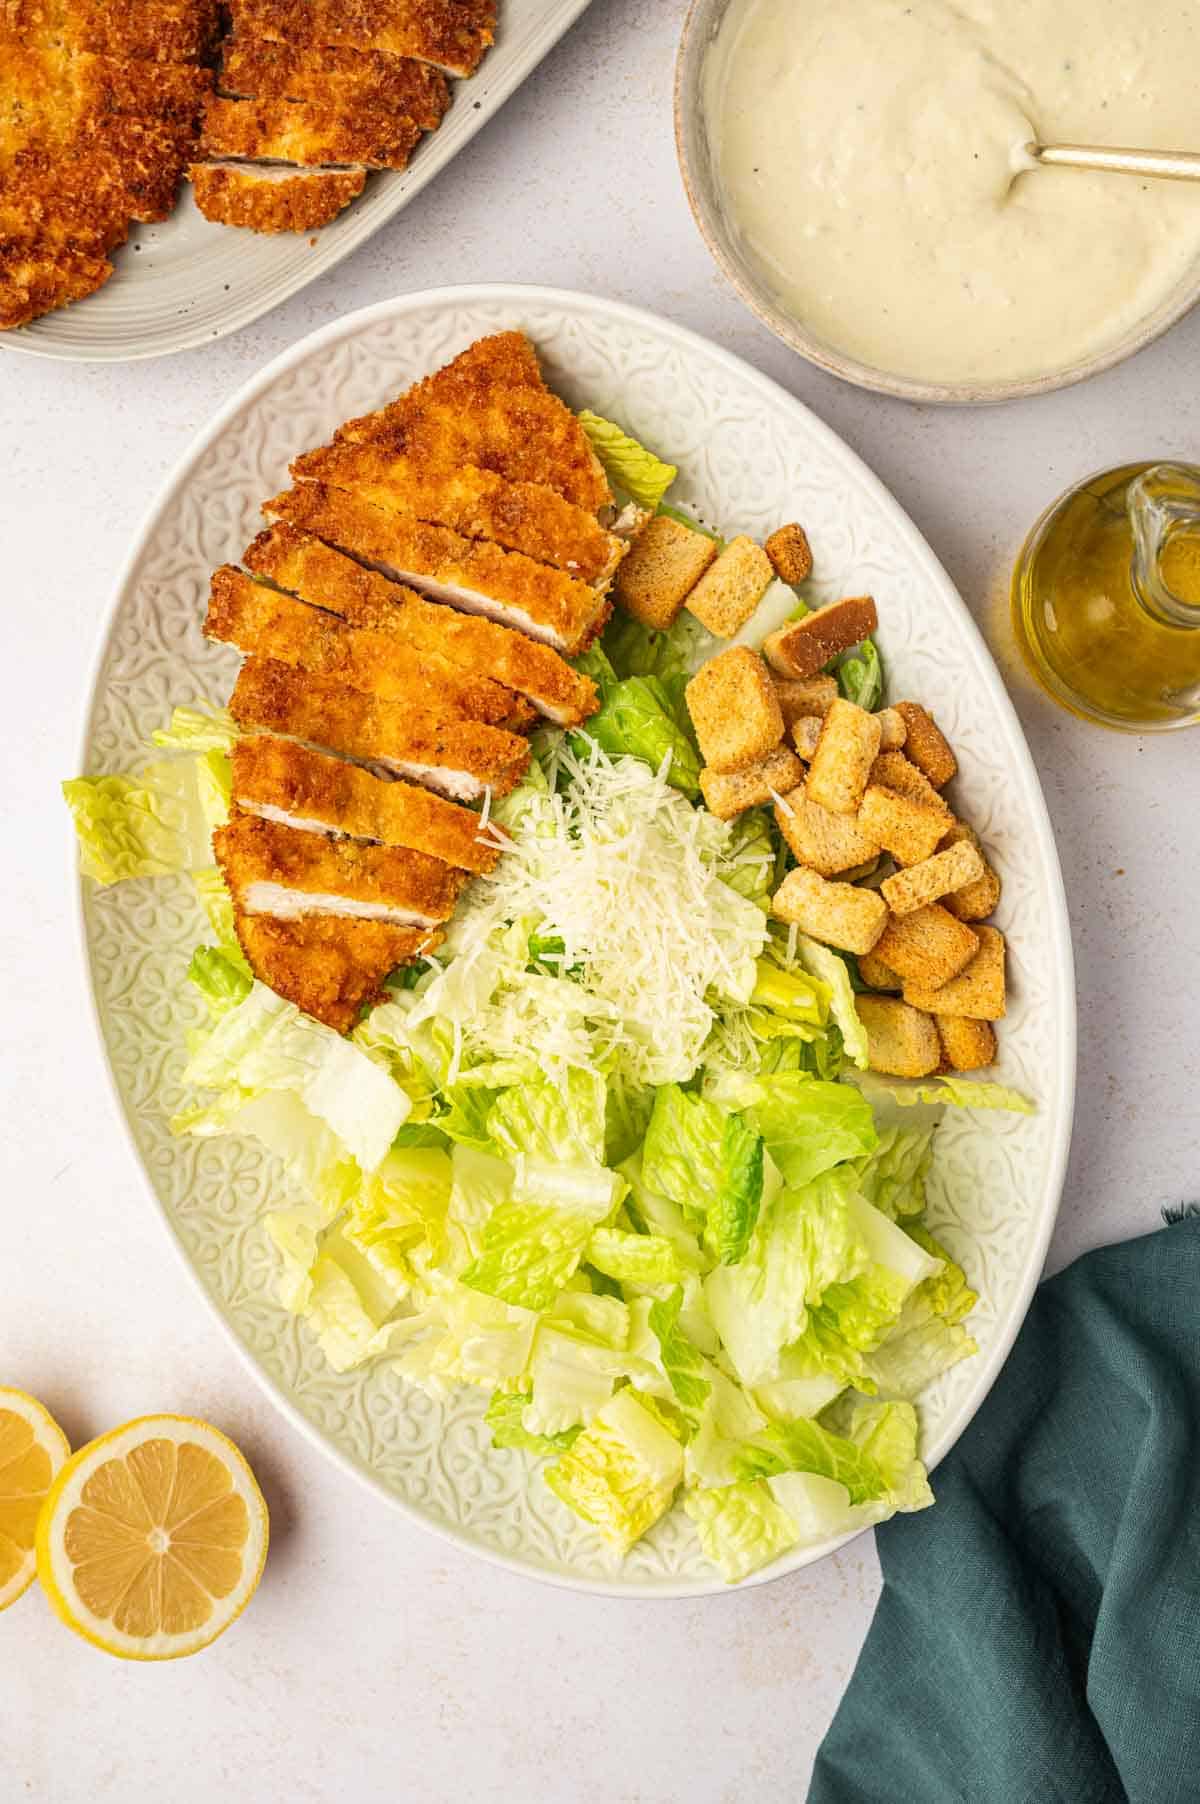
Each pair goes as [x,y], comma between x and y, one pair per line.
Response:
[185,282]
[750,456]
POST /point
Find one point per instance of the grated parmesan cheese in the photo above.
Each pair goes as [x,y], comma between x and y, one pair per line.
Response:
[628,876]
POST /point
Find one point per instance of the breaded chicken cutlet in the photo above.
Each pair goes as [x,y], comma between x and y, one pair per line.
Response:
[461,759]
[272,869]
[298,787]
[252,69]
[308,133]
[309,568]
[451,34]
[262,622]
[156,31]
[332,967]
[471,574]
[273,200]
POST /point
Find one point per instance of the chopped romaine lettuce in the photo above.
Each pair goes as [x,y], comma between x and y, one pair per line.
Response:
[630,468]
[622,1473]
[808,1125]
[741,1527]
[710,1164]
[504,1418]
[633,1258]
[637,720]
[860,676]
[153,824]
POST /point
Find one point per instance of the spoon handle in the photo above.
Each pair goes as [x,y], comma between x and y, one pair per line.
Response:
[1176,165]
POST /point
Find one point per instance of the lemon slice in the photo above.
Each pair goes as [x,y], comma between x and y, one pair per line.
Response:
[153,1538]
[32,1449]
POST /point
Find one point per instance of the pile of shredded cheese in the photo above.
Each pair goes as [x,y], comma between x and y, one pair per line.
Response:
[618,867]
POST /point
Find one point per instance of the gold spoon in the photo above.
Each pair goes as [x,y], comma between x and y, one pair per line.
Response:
[1174,165]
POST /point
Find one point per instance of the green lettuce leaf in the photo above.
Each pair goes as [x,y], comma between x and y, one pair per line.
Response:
[630,468]
[633,649]
[928,1337]
[503,1417]
[833,971]
[741,1528]
[557,1123]
[222,981]
[154,824]
[622,1473]
[348,1303]
[637,720]
[753,873]
[633,1258]
[958,1092]
[860,676]
[684,1365]
[808,1125]
[203,728]
[707,1162]
[892,1178]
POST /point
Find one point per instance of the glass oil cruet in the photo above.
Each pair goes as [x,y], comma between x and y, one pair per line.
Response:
[1106,598]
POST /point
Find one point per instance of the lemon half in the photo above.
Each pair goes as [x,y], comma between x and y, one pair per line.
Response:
[153,1538]
[32,1449]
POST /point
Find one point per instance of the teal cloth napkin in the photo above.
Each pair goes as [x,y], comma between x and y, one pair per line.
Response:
[1038,1636]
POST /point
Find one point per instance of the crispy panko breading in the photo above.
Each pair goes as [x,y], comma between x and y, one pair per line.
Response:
[490,407]
[330,966]
[276,870]
[452,34]
[263,623]
[163,31]
[273,200]
[266,71]
[283,781]
[318,574]
[522,516]
[483,579]
[38,274]
[307,132]
[459,758]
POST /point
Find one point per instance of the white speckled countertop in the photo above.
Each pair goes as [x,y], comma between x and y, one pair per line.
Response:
[376,1663]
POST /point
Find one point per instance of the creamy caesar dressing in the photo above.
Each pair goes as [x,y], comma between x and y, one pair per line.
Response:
[870,155]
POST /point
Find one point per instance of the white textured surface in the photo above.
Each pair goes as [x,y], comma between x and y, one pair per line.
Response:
[377,1663]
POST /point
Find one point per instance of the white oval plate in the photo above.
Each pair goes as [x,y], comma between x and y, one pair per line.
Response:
[185,282]
[750,456]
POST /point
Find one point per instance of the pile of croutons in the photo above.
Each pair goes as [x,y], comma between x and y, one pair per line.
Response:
[884,868]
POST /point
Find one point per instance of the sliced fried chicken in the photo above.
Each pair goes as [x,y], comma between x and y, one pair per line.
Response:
[282,781]
[308,133]
[38,274]
[313,570]
[491,408]
[164,31]
[273,200]
[522,516]
[271,869]
[254,69]
[262,622]
[332,967]
[471,574]
[462,759]
[452,34]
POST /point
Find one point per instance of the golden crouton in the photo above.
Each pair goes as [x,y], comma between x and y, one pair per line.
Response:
[773,776]
[977,993]
[927,947]
[933,878]
[841,764]
[803,700]
[908,830]
[878,976]
[803,647]
[977,900]
[966,1045]
[734,710]
[893,770]
[892,730]
[731,588]
[665,562]
[826,843]
[926,744]
[836,913]
[806,735]
[901,1041]
[790,554]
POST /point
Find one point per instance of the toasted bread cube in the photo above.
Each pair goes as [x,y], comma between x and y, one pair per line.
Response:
[790,554]
[835,913]
[878,976]
[803,647]
[806,736]
[731,588]
[932,879]
[662,567]
[908,830]
[901,1041]
[977,993]
[826,843]
[977,900]
[734,710]
[966,1045]
[773,776]
[804,700]
[841,764]
[892,770]
[927,947]
[927,745]
[892,730]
